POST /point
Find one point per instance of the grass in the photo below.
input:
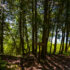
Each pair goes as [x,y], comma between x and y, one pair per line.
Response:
[57,49]
[8,49]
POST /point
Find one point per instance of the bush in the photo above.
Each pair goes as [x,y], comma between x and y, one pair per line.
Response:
[2,64]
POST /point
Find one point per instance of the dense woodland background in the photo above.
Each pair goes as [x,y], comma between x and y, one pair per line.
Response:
[37,27]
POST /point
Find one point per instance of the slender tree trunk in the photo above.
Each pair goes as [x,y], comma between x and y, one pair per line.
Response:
[60,47]
[0,33]
[36,27]
[51,43]
[67,35]
[69,43]
[55,45]
[2,28]
[67,24]
[63,38]
[21,37]
[26,33]
[33,26]
[20,28]
[63,29]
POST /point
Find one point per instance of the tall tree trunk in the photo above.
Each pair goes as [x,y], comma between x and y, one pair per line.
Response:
[63,29]
[51,43]
[45,29]
[0,31]
[2,28]
[55,45]
[26,34]
[33,29]
[67,35]
[21,37]
[36,27]
[67,24]
[63,38]
[21,23]
[21,30]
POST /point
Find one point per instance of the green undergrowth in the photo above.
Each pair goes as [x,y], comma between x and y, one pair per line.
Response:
[10,50]
[2,64]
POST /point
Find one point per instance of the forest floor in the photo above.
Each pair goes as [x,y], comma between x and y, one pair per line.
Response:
[53,62]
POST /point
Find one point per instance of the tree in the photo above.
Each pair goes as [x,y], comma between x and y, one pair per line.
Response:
[36,27]
[2,27]
[21,24]
[45,29]
[33,29]
[67,24]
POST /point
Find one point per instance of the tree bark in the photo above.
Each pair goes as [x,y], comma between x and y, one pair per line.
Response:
[45,29]
[26,33]
[55,45]
[21,23]
[36,27]
[67,24]
[33,29]
[2,28]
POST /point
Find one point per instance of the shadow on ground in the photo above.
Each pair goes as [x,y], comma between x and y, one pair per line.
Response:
[53,62]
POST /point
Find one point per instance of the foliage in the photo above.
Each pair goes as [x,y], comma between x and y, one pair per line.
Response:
[2,64]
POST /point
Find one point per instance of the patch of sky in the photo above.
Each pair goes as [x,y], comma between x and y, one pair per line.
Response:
[59,38]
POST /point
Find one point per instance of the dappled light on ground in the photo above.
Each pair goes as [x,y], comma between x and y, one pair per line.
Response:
[53,62]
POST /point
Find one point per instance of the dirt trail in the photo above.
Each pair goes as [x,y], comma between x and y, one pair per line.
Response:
[53,62]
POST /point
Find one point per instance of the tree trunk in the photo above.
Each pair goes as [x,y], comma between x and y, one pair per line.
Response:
[33,27]
[20,28]
[26,34]
[36,27]
[51,43]
[55,45]
[2,28]
[67,24]
[67,35]
[63,38]
[45,29]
